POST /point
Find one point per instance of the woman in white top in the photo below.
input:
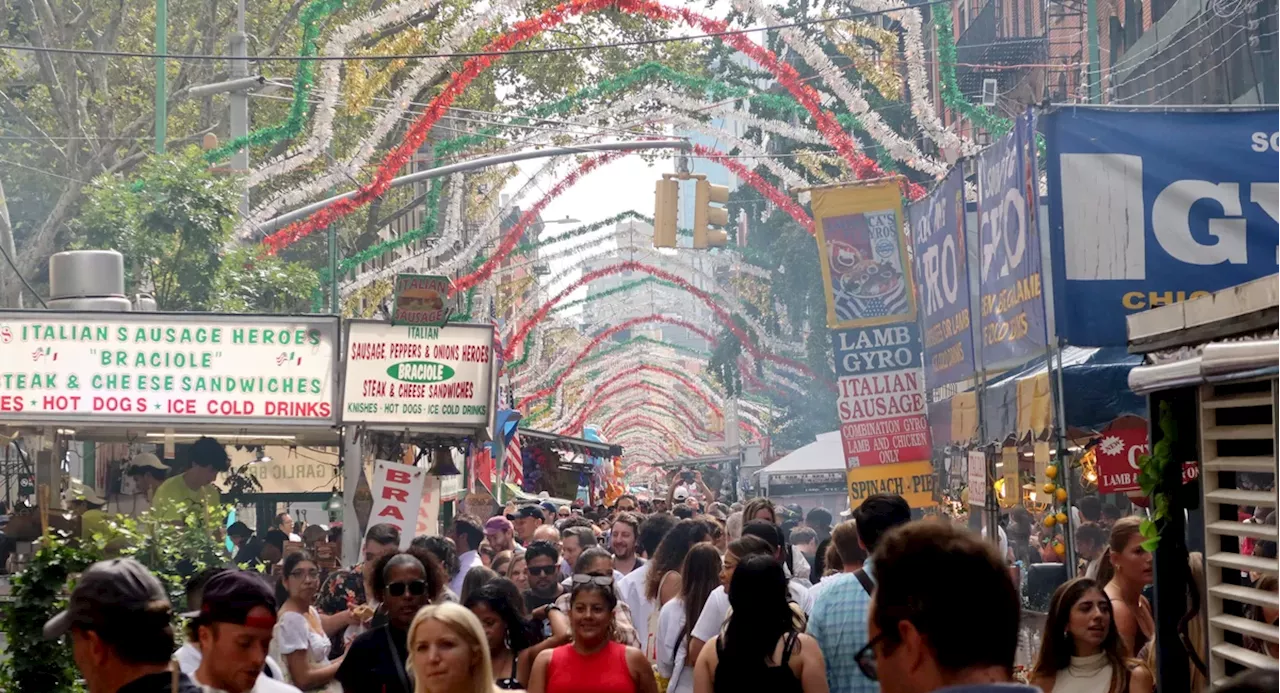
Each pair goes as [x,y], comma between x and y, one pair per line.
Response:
[1081,651]
[700,575]
[301,635]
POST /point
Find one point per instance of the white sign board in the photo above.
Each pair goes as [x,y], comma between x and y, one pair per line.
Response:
[397,496]
[977,478]
[418,375]
[167,368]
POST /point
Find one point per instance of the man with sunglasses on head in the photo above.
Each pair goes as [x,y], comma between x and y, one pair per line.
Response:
[375,661]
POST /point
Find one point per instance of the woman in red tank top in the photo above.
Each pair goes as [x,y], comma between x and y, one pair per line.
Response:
[593,662]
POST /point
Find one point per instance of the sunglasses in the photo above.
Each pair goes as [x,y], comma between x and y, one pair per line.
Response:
[542,570]
[416,588]
[866,658]
[598,580]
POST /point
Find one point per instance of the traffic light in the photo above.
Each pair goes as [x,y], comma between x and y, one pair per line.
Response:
[704,215]
[667,194]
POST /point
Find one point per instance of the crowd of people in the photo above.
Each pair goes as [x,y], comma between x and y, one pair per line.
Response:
[685,595]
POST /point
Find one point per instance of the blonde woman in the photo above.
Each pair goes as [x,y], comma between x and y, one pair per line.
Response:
[449,652]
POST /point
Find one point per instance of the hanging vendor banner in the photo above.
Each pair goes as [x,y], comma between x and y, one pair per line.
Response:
[421,299]
[397,497]
[880,400]
[1148,208]
[183,368]
[421,375]
[911,480]
[1120,447]
[863,255]
[1012,300]
[942,281]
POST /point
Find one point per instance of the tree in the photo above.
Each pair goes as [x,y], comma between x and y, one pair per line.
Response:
[173,221]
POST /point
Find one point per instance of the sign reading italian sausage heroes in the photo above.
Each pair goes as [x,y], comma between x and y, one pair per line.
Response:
[881,395]
[1013,324]
[942,281]
[162,367]
[418,374]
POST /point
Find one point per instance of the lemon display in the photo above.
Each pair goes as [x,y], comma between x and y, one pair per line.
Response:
[1049,520]
[1061,518]
[1051,471]
[1048,488]
[1062,495]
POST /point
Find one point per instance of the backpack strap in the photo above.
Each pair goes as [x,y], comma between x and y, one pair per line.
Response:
[864,580]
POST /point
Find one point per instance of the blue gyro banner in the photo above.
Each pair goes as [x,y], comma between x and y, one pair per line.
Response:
[1150,208]
[1012,298]
[942,281]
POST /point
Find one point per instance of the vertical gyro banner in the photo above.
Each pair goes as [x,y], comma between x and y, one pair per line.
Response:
[942,281]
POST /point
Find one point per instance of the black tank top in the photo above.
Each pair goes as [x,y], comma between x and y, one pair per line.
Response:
[775,679]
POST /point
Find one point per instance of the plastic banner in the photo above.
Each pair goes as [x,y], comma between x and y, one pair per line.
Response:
[884,418]
[911,480]
[397,497]
[863,255]
[1154,207]
[1013,320]
[942,281]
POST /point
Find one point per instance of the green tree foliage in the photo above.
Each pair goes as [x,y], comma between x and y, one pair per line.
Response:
[172,221]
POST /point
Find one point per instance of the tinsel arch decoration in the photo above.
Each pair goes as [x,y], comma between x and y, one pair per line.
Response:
[638,421]
[605,394]
[399,156]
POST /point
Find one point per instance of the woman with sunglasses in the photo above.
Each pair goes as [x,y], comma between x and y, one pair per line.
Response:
[375,661]
[594,662]
[300,640]
[1081,650]
[760,648]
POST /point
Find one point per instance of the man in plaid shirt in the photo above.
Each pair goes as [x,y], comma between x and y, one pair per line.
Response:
[839,617]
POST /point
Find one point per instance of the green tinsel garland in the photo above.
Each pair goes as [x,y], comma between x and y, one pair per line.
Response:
[310,19]
[951,95]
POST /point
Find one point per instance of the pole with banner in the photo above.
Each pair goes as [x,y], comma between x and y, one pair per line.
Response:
[871,310]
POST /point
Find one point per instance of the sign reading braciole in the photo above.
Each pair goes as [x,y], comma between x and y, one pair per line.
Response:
[158,367]
[418,374]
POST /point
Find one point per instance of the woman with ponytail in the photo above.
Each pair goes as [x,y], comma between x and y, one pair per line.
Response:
[1126,569]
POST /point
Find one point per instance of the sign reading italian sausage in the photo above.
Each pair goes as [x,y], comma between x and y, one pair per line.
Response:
[167,367]
[418,374]
[421,299]
[881,395]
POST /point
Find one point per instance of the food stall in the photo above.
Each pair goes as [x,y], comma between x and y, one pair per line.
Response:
[1211,378]
[558,465]
[416,399]
[812,476]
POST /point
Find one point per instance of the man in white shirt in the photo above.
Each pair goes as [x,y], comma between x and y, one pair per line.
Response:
[234,626]
[467,535]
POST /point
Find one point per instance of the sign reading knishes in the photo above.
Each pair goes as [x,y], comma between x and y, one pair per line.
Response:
[881,395]
[157,367]
[912,480]
[418,374]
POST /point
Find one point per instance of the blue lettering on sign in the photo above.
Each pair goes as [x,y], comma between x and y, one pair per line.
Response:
[1147,209]
[875,349]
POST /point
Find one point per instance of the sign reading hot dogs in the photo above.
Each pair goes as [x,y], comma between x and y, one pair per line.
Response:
[420,300]
[418,374]
[160,367]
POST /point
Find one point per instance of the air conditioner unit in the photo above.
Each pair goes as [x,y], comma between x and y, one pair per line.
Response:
[990,91]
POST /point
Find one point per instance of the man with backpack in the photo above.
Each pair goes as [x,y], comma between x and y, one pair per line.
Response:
[838,620]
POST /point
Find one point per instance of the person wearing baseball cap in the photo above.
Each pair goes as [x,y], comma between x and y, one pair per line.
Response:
[500,534]
[234,626]
[527,519]
[121,636]
[147,472]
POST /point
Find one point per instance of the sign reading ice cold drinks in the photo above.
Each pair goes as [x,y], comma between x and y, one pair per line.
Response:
[418,374]
[158,367]
[880,398]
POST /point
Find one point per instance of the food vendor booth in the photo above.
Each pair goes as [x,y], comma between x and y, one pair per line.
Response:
[419,401]
[80,390]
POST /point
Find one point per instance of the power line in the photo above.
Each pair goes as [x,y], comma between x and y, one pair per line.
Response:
[21,278]
[465,54]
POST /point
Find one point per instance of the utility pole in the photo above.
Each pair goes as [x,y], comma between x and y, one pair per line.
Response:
[162,48]
[240,101]
[1095,60]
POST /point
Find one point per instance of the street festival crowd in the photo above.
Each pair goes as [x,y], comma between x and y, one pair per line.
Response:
[683,594]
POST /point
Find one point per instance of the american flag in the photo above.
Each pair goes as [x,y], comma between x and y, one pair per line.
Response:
[514,461]
[853,307]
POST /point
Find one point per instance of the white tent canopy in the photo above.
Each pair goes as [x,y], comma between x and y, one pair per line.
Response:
[824,455]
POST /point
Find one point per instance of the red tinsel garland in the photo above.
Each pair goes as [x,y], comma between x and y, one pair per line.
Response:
[606,334]
[681,416]
[641,422]
[722,315]
[862,166]
[599,400]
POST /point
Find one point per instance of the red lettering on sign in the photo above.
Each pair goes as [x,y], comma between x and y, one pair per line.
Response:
[398,495]
[391,511]
[396,476]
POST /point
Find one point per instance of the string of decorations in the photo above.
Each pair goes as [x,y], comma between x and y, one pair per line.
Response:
[952,97]
[360,86]
[473,67]
[878,65]
[310,19]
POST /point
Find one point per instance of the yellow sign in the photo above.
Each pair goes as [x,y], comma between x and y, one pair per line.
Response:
[911,480]
[862,251]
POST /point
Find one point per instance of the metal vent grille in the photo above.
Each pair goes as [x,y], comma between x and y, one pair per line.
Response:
[1238,439]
